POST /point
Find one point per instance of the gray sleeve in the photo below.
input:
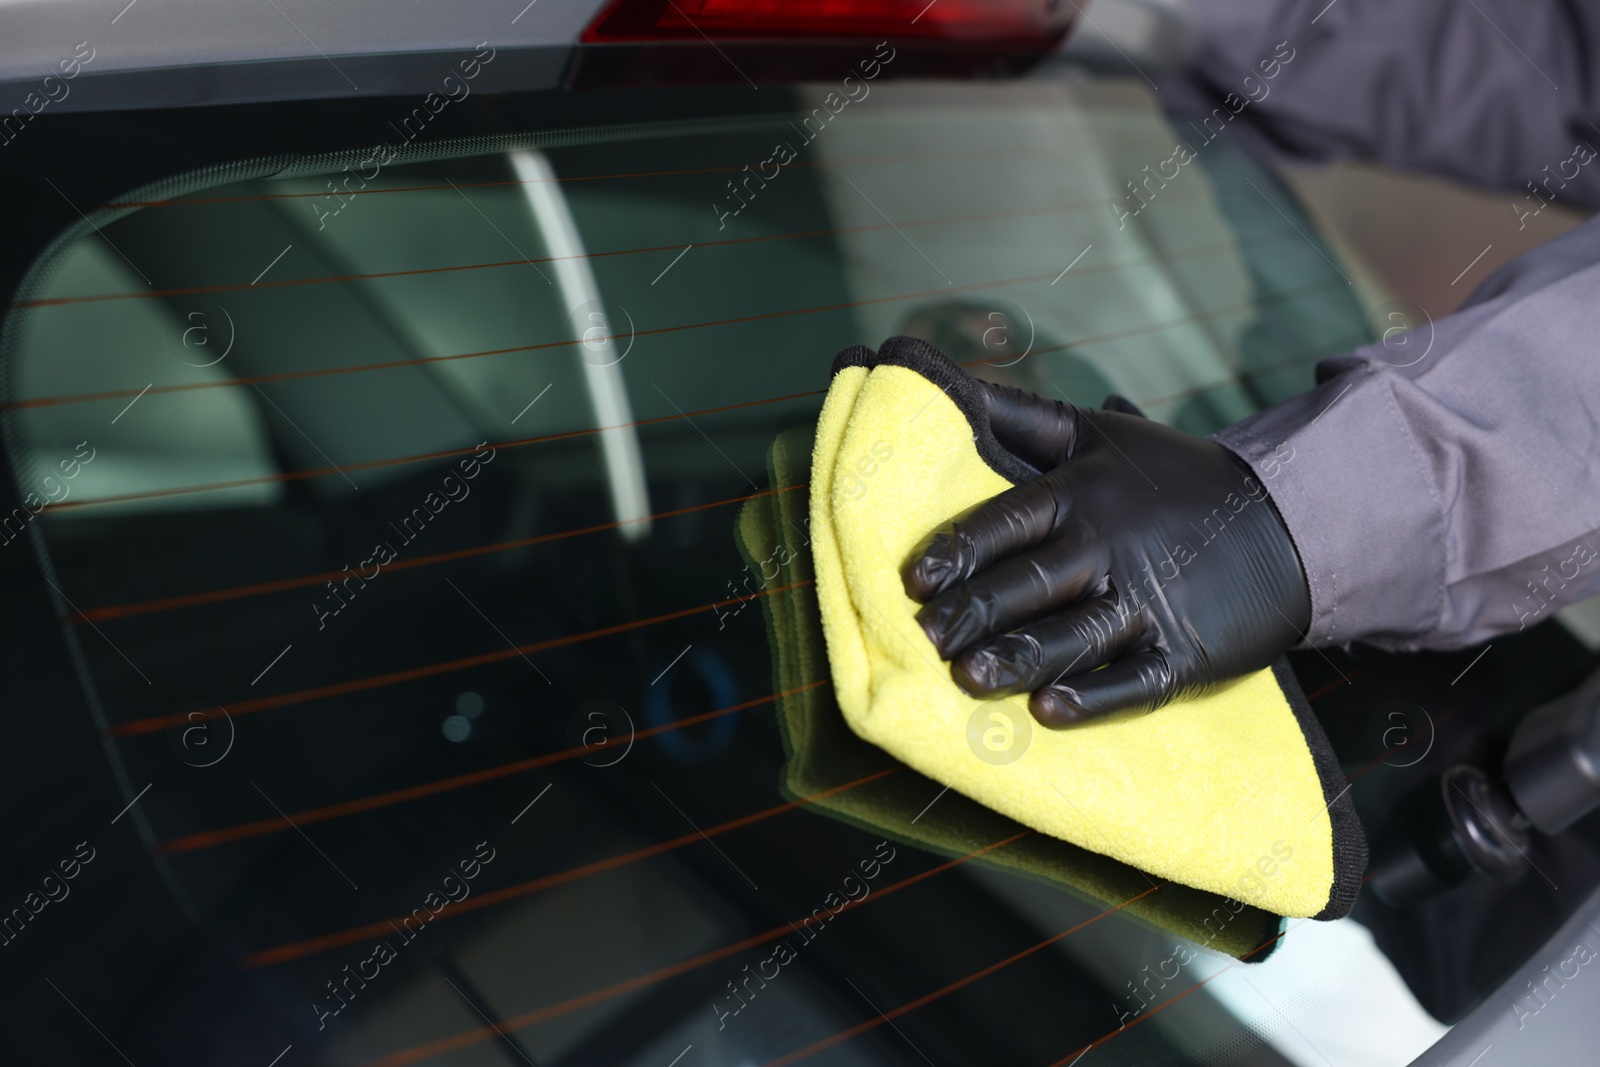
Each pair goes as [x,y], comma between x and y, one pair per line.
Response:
[1494,93]
[1444,486]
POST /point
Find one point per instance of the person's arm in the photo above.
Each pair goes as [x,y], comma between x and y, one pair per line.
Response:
[1438,499]
[1437,489]
[1447,489]
[1489,92]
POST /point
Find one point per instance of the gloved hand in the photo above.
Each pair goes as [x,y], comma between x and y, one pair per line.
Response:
[1141,548]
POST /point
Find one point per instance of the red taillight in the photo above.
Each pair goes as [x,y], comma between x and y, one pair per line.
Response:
[1011,21]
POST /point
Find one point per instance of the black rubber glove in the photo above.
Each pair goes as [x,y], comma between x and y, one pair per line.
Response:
[1141,548]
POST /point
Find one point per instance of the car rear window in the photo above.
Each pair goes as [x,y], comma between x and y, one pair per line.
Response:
[390,499]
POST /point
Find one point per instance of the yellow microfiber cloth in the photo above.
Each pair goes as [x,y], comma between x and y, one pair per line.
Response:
[836,773]
[1236,792]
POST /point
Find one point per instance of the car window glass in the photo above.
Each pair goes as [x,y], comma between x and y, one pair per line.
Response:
[391,508]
